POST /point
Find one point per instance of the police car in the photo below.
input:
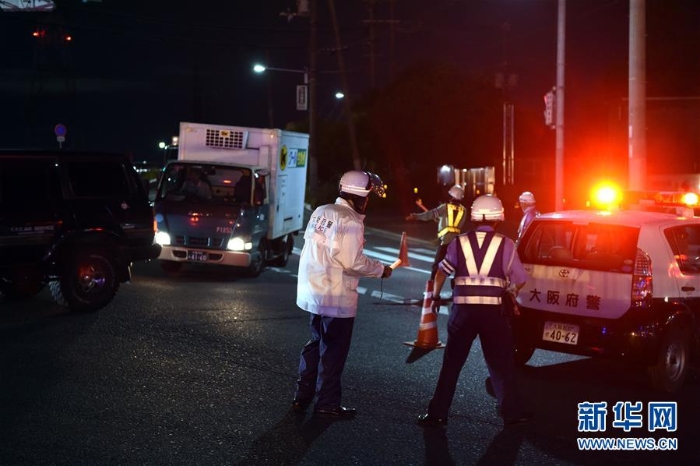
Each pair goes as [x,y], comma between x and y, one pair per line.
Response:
[619,283]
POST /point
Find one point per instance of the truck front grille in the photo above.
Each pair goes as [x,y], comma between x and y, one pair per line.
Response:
[199,241]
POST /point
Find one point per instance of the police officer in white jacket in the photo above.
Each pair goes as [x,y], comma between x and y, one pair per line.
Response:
[331,264]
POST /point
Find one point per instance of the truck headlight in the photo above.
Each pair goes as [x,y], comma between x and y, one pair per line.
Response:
[162,238]
[239,244]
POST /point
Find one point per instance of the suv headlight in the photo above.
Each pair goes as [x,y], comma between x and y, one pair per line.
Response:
[162,238]
[239,244]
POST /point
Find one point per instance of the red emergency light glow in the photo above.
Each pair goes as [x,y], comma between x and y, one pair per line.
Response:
[690,199]
[606,195]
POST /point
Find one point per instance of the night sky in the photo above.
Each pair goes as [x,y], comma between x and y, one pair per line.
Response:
[133,70]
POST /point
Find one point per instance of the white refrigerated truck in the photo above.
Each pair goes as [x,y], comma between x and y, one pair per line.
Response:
[234,196]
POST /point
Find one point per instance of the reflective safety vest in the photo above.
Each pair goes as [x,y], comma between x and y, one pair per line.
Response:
[486,279]
[454,217]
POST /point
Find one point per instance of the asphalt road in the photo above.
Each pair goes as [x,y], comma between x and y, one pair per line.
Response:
[199,368]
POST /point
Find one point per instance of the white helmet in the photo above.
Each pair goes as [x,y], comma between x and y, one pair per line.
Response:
[527,198]
[361,183]
[487,208]
[456,192]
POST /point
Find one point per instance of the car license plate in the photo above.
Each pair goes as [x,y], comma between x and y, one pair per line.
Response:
[198,256]
[561,333]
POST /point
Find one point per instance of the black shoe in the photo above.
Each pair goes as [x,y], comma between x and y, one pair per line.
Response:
[489,387]
[299,406]
[426,420]
[340,412]
[517,420]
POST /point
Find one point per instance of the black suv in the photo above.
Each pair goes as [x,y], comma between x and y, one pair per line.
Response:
[75,221]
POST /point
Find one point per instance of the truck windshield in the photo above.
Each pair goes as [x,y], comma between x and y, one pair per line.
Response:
[206,183]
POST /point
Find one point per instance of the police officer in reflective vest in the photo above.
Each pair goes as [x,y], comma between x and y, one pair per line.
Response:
[452,218]
[484,263]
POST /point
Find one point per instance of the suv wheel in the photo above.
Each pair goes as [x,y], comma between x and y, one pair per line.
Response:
[87,283]
[671,368]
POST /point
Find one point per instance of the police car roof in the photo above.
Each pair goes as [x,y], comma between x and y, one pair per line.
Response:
[635,218]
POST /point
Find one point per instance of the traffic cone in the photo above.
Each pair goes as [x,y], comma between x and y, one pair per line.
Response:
[427,331]
[403,251]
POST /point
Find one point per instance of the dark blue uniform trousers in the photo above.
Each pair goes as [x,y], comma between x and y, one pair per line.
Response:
[323,359]
[466,322]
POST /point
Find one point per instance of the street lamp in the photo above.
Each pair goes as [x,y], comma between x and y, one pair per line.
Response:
[259,68]
[306,100]
[302,90]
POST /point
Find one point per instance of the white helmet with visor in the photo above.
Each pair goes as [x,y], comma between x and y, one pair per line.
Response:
[361,183]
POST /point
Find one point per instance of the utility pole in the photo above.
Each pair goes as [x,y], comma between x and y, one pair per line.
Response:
[637,157]
[306,8]
[372,52]
[372,41]
[270,113]
[559,108]
[505,82]
[392,39]
[357,163]
[313,139]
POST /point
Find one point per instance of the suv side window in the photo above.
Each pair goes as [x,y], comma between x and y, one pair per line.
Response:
[607,247]
[685,244]
[98,178]
[591,246]
[28,184]
[549,242]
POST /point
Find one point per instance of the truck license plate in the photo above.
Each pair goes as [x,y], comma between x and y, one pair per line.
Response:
[198,256]
[561,333]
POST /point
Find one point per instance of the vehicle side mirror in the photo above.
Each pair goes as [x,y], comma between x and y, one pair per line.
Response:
[258,195]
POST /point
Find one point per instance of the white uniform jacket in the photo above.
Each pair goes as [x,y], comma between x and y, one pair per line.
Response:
[332,261]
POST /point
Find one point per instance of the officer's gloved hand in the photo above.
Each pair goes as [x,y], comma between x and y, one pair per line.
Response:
[387,271]
[435,306]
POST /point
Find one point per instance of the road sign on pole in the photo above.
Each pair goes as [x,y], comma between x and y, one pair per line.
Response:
[549,102]
[302,97]
[60,132]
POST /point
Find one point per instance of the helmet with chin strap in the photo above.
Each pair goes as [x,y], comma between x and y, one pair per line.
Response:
[356,185]
[361,183]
